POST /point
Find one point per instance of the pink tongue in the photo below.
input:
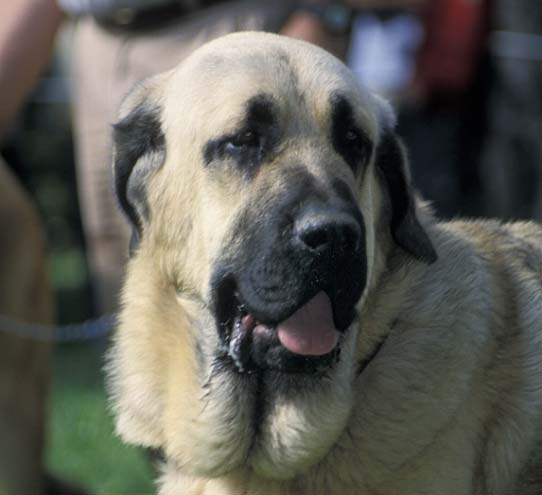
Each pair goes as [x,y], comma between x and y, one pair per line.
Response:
[310,331]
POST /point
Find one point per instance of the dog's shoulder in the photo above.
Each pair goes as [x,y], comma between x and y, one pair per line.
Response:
[512,254]
[505,249]
[488,275]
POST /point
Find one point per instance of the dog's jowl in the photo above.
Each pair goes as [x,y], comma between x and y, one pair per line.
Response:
[295,320]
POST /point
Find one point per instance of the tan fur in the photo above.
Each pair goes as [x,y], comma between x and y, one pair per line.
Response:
[450,404]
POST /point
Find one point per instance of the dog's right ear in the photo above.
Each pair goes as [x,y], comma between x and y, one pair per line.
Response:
[406,229]
[139,149]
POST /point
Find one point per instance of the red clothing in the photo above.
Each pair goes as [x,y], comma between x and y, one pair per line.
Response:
[454,41]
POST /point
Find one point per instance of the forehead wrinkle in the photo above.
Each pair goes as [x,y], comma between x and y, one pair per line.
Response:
[229,103]
[262,67]
[300,90]
[326,76]
[266,68]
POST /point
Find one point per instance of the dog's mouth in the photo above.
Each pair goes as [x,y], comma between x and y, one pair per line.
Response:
[305,340]
[308,332]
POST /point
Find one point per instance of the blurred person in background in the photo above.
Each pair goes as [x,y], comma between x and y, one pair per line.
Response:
[385,41]
[25,293]
[476,134]
[511,161]
[444,117]
[466,76]
[426,56]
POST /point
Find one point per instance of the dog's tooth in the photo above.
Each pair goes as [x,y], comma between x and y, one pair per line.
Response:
[239,346]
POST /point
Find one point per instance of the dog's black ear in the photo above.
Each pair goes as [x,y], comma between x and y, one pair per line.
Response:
[139,150]
[406,230]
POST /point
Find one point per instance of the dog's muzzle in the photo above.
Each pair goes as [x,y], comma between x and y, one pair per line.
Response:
[286,299]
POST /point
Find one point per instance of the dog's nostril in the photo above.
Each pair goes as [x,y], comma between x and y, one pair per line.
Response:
[330,236]
[316,237]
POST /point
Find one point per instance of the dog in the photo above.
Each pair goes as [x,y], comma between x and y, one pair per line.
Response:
[294,320]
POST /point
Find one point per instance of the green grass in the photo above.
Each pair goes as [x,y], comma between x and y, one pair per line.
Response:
[82,447]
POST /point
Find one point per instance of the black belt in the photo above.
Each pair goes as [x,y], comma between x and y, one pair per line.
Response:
[131,20]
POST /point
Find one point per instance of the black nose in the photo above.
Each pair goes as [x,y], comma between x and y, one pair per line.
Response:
[326,232]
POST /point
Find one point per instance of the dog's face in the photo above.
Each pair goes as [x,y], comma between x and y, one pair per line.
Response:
[266,189]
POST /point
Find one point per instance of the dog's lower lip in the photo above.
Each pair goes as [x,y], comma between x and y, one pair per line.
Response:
[248,322]
[308,332]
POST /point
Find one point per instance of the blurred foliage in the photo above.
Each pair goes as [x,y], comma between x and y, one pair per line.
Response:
[82,447]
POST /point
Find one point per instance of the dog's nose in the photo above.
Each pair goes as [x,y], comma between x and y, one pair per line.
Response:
[326,232]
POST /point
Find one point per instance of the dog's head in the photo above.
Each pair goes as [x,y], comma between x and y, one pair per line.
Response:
[266,190]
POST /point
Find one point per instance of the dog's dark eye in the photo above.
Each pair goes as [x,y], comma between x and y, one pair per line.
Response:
[356,143]
[347,137]
[243,141]
[353,138]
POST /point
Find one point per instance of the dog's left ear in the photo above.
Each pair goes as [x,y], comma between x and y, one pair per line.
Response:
[139,149]
[392,165]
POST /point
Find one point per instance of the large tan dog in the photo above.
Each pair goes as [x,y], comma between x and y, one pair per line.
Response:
[294,322]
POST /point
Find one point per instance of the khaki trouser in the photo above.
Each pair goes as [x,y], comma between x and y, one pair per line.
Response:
[107,65]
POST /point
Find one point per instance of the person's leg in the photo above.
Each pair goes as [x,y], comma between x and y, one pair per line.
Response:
[97,56]
[25,295]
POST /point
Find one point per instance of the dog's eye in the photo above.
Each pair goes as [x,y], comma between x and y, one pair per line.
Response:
[357,144]
[353,138]
[243,140]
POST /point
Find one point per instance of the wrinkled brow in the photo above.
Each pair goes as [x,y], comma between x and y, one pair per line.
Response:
[260,115]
